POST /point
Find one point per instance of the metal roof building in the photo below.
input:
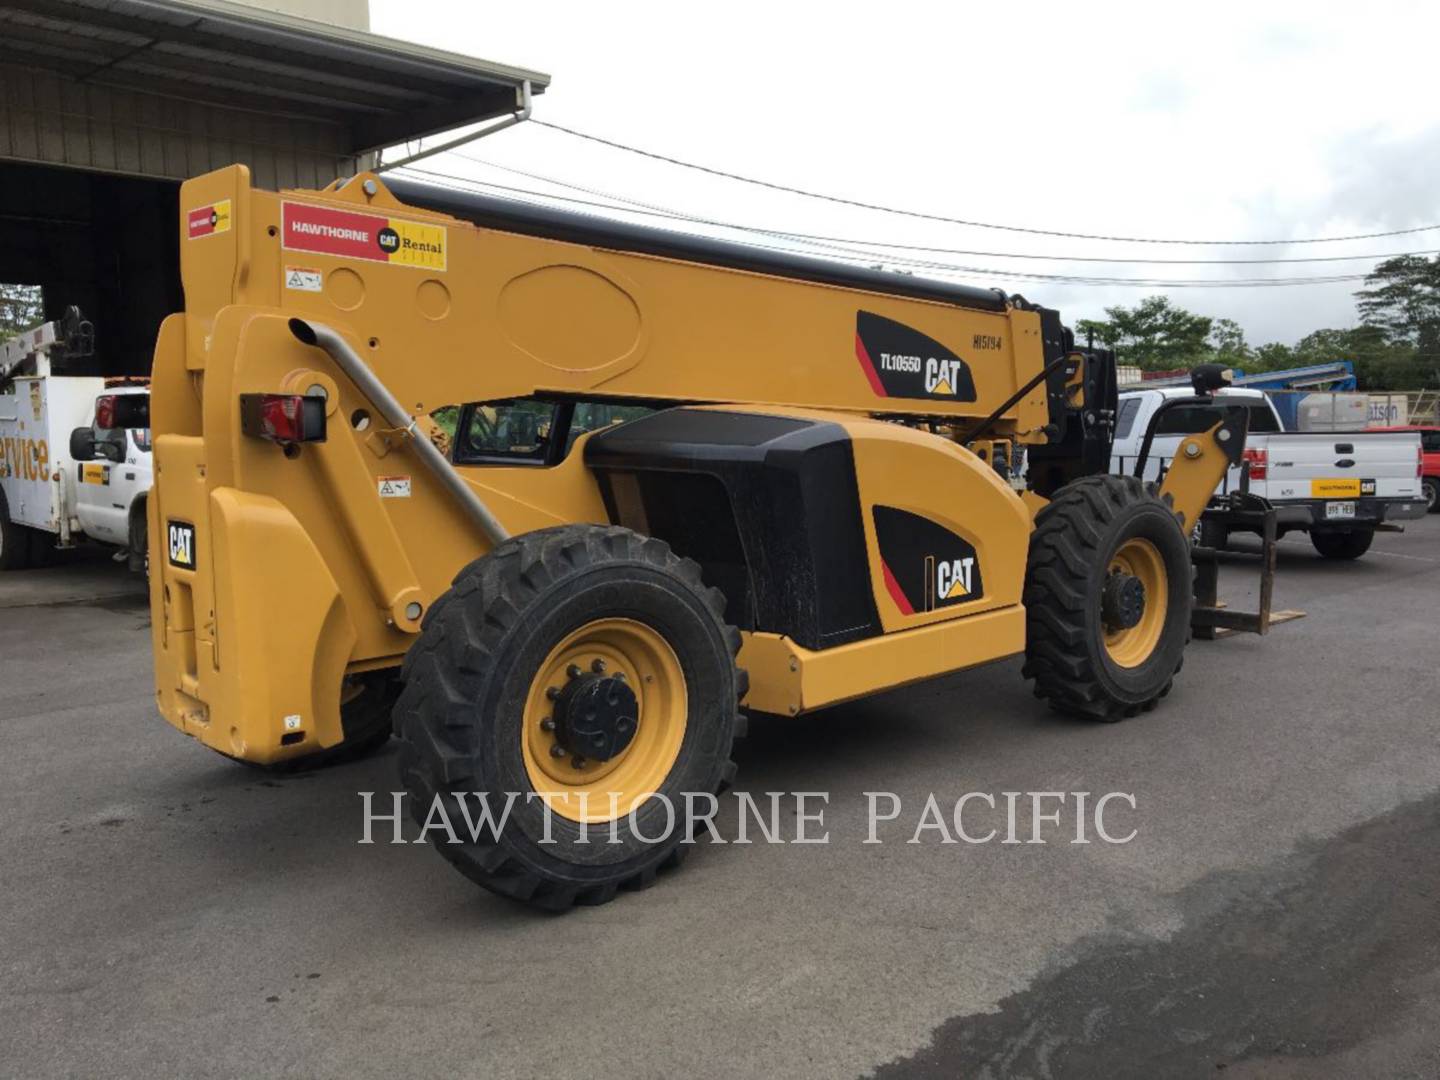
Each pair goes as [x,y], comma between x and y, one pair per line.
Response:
[105,105]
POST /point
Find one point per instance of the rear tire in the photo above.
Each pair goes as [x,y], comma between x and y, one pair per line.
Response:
[1096,536]
[365,708]
[15,540]
[1213,534]
[1350,544]
[499,654]
[1431,486]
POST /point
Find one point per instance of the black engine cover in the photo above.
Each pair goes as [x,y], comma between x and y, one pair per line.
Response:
[767,505]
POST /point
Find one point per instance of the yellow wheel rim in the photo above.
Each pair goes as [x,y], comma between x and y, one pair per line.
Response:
[595,791]
[1132,646]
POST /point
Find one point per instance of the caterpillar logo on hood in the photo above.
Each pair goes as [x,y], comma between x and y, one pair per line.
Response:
[904,363]
[926,566]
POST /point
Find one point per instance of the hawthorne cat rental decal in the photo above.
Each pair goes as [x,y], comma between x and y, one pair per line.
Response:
[348,235]
[904,363]
[208,220]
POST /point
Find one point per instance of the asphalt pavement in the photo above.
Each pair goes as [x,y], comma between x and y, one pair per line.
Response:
[166,912]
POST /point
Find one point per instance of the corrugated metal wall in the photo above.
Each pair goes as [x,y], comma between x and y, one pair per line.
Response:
[46,118]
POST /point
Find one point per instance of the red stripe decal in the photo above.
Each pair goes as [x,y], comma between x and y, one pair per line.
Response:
[868,365]
[896,593]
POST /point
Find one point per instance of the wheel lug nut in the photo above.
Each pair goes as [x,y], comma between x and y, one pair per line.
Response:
[598,666]
[548,724]
[573,671]
[577,761]
[552,692]
[557,751]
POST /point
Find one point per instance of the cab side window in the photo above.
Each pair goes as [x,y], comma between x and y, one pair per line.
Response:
[1430,442]
[523,431]
[517,431]
[1263,420]
[1125,422]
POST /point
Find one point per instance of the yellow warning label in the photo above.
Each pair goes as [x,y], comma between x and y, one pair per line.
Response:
[1334,489]
[94,474]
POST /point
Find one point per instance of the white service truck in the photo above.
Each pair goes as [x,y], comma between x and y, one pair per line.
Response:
[62,478]
[1338,486]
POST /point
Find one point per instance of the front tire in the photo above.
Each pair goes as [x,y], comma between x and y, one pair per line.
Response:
[1107,599]
[566,664]
[15,541]
[1349,544]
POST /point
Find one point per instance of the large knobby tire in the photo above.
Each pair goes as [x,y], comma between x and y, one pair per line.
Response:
[15,541]
[1346,544]
[493,698]
[1096,645]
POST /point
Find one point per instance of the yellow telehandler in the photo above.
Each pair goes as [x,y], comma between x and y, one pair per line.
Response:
[563,500]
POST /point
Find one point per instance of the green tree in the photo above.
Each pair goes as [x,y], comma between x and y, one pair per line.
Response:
[1402,300]
[1155,334]
[1227,342]
[20,308]
[1272,356]
[1380,363]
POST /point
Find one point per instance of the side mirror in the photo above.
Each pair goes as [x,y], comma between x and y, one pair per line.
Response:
[82,444]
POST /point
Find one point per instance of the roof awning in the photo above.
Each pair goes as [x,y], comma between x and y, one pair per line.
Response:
[379,91]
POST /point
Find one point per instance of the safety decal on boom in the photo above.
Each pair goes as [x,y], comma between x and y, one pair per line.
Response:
[926,566]
[348,235]
[901,362]
[208,220]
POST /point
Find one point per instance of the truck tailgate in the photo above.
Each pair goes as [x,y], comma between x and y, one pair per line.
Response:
[1343,465]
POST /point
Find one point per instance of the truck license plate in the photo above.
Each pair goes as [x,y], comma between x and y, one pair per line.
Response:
[182,544]
[1339,510]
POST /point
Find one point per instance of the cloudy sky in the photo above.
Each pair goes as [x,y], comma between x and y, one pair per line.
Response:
[1256,121]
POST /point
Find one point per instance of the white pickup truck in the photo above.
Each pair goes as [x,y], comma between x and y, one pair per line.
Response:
[1335,485]
[61,477]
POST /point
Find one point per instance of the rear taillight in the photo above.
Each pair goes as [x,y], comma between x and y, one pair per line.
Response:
[283,418]
[1258,462]
[122,411]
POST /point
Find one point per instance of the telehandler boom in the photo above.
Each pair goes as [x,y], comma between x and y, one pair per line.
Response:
[828,482]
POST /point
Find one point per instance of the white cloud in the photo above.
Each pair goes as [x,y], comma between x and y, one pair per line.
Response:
[1224,120]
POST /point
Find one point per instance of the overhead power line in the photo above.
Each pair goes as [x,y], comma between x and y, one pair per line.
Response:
[650,209]
[865,256]
[961,221]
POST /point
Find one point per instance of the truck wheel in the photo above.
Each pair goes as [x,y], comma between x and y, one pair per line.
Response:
[1213,534]
[14,540]
[1431,487]
[584,668]
[1107,598]
[137,556]
[1349,544]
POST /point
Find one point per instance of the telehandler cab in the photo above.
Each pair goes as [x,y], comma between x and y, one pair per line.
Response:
[816,494]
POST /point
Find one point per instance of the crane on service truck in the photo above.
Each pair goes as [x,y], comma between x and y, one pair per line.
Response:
[806,506]
[66,471]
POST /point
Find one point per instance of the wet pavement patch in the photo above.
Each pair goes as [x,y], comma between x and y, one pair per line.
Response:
[1275,968]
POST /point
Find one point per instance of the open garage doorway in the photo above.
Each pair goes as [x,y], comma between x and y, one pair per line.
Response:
[106,244]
